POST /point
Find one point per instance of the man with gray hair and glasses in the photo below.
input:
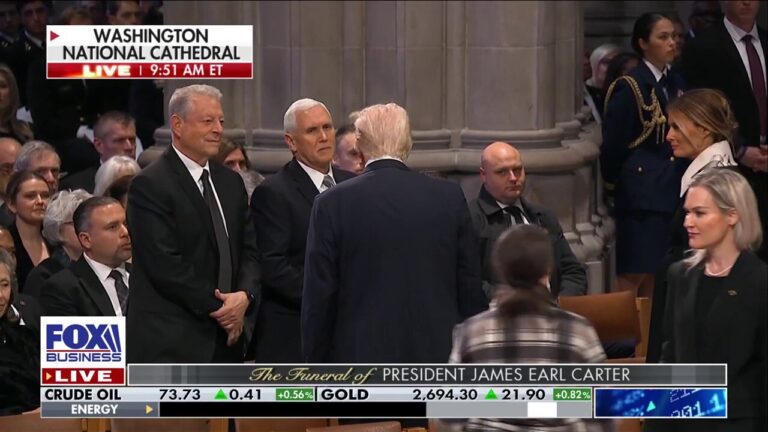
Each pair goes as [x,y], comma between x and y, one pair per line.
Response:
[196,270]
[281,206]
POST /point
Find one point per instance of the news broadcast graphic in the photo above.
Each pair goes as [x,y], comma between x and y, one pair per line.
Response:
[82,351]
[378,391]
[661,403]
[150,52]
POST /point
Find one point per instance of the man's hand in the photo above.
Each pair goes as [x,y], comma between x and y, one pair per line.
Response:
[231,314]
[756,158]
[234,334]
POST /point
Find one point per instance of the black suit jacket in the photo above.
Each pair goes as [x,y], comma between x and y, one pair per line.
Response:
[280,207]
[24,263]
[736,330]
[6,217]
[175,260]
[85,179]
[569,277]
[76,291]
[392,266]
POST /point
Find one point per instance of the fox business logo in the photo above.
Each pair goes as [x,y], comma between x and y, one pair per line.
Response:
[83,343]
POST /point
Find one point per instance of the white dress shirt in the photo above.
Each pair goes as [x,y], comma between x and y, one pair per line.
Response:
[736,34]
[102,273]
[519,206]
[316,176]
[196,171]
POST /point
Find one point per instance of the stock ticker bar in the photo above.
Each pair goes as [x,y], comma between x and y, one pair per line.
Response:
[399,391]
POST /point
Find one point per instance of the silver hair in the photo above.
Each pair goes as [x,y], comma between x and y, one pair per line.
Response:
[251,179]
[30,150]
[179,102]
[60,210]
[111,170]
[289,119]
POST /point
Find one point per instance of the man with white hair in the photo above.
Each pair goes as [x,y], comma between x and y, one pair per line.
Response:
[196,270]
[281,206]
[392,258]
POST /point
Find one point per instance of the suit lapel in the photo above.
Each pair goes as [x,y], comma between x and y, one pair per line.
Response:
[93,287]
[302,181]
[189,187]
[228,206]
[688,311]
[730,48]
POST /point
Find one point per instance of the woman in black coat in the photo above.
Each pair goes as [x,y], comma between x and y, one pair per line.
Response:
[716,300]
[637,164]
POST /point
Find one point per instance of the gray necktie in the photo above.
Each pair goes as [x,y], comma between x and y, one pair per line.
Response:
[220,231]
[328,182]
[122,290]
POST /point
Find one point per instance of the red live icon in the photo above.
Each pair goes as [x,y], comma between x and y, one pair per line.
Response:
[92,376]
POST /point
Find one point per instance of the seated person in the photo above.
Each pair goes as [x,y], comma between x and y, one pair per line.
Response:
[97,283]
[19,345]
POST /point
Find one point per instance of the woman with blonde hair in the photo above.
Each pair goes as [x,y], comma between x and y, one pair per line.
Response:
[112,170]
[10,126]
[701,128]
[716,301]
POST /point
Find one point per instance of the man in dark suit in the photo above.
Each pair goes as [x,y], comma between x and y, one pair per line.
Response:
[731,57]
[392,263]
[97,283]
[113,134]
[30,46]
[196,267]
[500,204]
[281,206]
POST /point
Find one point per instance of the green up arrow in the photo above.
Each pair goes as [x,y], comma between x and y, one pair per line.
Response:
[491,395]
[651,406]
[220,395]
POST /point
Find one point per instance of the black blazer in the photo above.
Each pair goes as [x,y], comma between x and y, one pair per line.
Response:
[85,179]
[646,177]
[280,207]
[76,291]
[736,329]
[392,266]
[711,60]
[175,262]
[24,263]
[489,220]
[37,277]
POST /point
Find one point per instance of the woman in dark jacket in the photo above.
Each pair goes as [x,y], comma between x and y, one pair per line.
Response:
[716,301]
[28,196]
[636,162]
[19,345]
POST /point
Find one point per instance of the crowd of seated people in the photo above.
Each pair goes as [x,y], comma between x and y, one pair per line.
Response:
[211,262]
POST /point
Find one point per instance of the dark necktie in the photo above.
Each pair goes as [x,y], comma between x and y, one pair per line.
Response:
[758,84]
[222,241]
[664,83]
[122,290]
[516,213]
[328,182]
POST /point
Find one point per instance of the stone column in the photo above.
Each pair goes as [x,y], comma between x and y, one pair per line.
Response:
[469,73]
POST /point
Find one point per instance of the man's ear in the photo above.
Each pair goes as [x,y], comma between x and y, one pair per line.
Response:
[289,142]
[85,240]
[176,123]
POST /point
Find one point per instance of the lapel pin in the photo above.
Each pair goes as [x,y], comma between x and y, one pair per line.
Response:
[732,292]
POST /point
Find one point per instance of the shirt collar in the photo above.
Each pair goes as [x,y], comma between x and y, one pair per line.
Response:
[8,37]
[102,271]
[315,175]
[737,34]
[718,154]
[370,161]
[18,313]
[195,170]
[33,39]
[517,204]
[655,71]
